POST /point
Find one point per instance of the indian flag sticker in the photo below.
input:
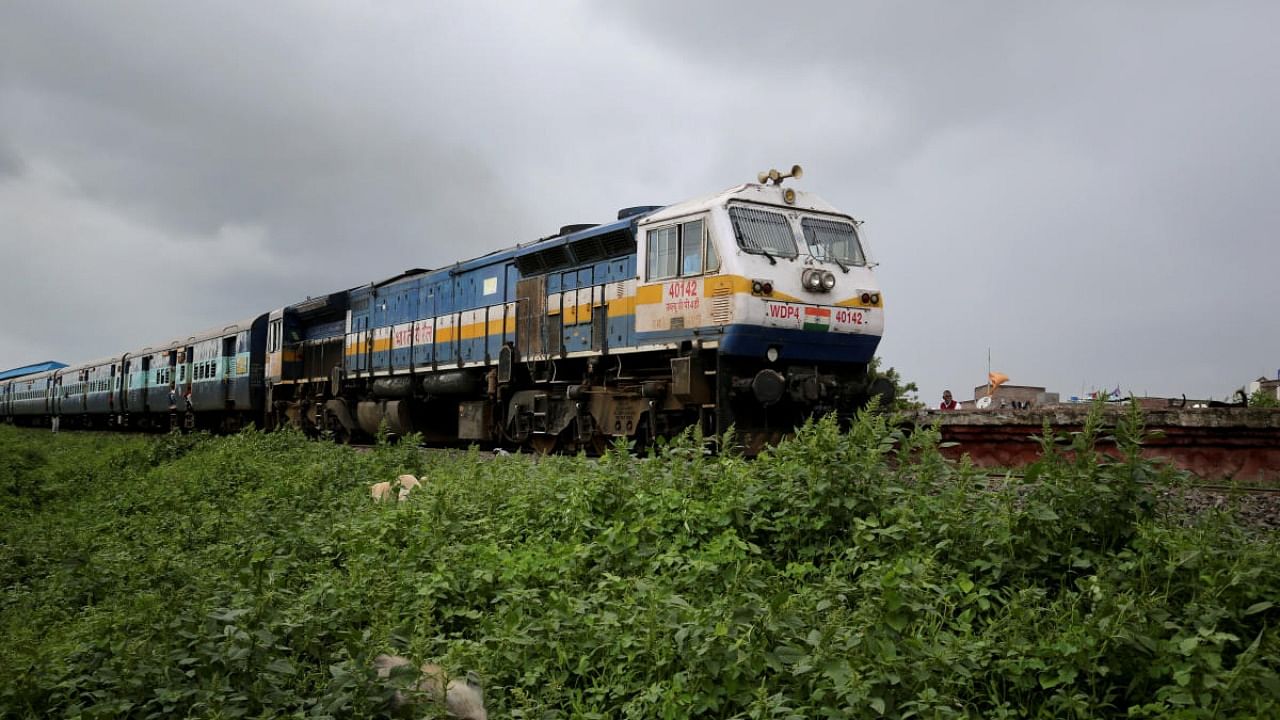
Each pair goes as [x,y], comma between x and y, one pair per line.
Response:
[817,318]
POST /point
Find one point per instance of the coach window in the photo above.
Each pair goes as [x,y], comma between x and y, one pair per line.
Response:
[680,250]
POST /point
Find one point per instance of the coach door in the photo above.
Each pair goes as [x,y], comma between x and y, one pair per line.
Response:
[531,317]
[363,342]
[186,374]
[228,362]
[143,386]
[55,401]
[171,379]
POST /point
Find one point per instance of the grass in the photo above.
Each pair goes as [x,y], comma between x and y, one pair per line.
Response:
[847,573]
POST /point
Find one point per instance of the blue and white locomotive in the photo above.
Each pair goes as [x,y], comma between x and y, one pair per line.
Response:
[755,307]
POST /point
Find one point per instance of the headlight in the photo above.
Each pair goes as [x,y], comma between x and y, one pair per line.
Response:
[772,353]
[815,280]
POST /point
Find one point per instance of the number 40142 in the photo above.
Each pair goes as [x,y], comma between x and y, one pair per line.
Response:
[845,316]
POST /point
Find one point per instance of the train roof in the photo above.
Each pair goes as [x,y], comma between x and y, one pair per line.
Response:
[94,363]
[209,334]
[328,303]
[37,368]
[747,192]
[577,245]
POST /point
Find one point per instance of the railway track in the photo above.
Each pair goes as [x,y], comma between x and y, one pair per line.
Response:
[1256,506]
[1226,488]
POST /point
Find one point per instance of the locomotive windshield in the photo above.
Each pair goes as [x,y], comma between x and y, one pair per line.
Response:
[830,240]
[762,232]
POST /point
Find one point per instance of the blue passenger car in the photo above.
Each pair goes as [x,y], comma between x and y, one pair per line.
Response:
[209,379]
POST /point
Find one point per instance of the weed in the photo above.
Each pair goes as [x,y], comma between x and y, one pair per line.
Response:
[846,573]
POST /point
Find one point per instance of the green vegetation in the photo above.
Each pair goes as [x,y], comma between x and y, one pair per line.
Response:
[1264,398]
[905,393]
[854,574]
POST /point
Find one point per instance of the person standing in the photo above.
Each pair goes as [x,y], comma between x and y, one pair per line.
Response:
[948,403]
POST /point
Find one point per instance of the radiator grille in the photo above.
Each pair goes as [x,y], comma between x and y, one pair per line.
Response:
[722,304]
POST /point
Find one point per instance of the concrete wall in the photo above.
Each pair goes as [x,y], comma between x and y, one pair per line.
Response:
[1235,443]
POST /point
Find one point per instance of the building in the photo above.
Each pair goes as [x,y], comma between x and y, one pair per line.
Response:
[1271,387]
[1012,397]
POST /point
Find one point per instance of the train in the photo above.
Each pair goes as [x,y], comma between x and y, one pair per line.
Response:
[752,308]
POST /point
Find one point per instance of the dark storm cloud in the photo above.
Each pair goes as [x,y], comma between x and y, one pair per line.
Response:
[317,134]
[10,163]
[196,115]
[1084,188]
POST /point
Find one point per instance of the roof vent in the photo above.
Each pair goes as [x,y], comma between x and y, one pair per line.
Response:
[570,229]
[625,213]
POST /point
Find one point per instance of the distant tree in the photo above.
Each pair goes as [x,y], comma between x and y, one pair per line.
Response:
[905,395]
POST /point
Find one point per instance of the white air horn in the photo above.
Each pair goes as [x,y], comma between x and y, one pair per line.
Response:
[773,175]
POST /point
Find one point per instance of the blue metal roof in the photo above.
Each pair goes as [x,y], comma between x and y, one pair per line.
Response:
[500,256]
[31,369]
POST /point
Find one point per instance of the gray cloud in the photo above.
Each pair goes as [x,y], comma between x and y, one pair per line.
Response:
[1086,189]
[10,163]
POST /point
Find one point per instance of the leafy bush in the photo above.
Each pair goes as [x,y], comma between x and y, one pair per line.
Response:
[1264,398]
[842,574]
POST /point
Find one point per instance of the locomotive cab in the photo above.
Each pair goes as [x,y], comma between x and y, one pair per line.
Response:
[303,356]
[780,319]
[284,334]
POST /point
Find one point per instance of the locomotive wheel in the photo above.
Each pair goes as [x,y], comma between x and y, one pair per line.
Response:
[340,434]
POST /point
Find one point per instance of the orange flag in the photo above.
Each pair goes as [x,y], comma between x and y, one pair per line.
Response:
[995,380]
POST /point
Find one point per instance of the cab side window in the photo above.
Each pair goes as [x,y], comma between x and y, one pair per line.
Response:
[680,250]
[664,250]
[691,243]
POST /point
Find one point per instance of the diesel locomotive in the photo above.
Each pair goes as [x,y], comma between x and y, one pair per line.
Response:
[755,307]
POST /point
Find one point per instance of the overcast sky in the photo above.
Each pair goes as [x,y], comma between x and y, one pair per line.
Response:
[1086,189]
